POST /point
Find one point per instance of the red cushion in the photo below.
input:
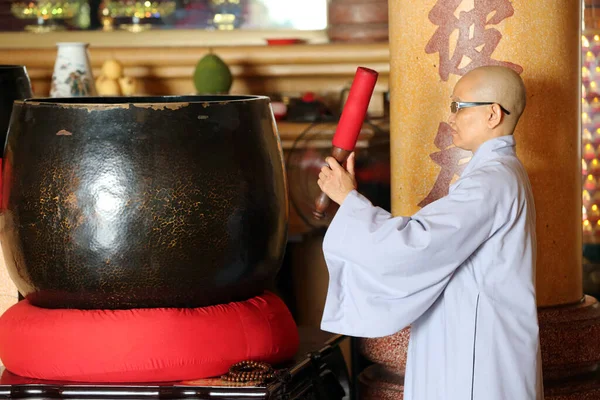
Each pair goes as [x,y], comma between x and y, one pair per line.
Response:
[144,345]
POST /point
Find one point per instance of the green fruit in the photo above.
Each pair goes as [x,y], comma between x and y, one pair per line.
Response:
[212,75]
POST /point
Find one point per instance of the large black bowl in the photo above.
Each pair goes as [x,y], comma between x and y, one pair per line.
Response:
[14,85]
[143,202]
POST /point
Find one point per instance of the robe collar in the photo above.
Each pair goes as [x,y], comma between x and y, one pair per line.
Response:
[493,148]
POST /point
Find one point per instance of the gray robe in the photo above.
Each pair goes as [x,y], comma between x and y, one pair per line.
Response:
[460,272]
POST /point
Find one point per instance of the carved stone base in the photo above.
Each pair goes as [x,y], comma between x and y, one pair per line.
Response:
[570,341]
[389,351]
[379,383]
[569,338]
[584,387]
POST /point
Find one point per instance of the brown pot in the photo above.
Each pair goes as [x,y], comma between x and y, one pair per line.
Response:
[358,20]
[365,12]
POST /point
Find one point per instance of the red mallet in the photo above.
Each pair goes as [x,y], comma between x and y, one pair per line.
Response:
[349,126]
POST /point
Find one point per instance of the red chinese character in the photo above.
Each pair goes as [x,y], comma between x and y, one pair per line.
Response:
[449,160]
[474,42]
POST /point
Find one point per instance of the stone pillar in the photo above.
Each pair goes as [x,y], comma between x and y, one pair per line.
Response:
[432,44]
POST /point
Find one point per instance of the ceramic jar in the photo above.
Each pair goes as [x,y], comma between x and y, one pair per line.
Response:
[72,76]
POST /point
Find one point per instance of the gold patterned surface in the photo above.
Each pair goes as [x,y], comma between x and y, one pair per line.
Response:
[541,37]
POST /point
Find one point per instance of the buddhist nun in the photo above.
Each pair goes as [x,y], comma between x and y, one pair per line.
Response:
[460,272]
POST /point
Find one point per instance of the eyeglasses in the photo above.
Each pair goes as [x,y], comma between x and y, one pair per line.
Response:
[457,105]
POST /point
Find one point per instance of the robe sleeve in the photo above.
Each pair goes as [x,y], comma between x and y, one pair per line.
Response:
[385,272]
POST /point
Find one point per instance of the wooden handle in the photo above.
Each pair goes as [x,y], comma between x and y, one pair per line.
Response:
[322,202]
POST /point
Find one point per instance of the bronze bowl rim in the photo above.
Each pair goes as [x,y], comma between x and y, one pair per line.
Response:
[12,66]
[170,101]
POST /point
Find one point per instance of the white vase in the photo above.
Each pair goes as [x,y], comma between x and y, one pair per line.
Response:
[72,76]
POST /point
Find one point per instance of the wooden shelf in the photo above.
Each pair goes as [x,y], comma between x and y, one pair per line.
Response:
[155,38]
[257,69]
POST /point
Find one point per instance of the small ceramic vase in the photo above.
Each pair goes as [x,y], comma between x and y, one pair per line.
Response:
[72,76]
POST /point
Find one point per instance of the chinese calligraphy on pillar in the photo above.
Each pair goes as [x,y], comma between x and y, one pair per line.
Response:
[476,42]
[474,45]
[451,159]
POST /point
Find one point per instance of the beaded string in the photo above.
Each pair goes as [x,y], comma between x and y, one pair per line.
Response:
[249,371]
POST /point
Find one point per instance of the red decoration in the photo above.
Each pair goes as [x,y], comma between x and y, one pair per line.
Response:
[355,109]
[308,97]
[144,344]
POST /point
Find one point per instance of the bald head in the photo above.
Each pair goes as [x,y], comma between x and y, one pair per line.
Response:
[499,85]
